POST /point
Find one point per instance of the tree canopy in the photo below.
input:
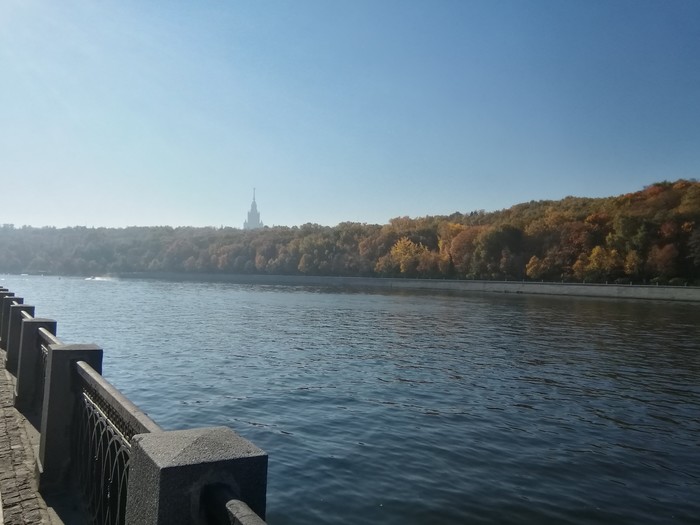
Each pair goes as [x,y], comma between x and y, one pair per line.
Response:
[652,235]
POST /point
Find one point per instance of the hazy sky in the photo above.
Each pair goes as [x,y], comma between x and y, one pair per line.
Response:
[132,112]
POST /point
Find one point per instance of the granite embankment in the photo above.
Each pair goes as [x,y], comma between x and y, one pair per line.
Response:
[612,291]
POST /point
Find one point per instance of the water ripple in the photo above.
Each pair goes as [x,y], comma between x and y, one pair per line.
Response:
[412,409]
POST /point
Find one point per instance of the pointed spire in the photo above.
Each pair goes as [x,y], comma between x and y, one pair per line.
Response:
[253,221]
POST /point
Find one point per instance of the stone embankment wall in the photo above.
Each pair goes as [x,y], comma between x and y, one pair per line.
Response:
[614,291]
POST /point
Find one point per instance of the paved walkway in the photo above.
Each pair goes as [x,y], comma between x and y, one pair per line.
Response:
[21,504]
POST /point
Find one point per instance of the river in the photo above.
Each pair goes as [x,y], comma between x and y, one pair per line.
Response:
[405,408]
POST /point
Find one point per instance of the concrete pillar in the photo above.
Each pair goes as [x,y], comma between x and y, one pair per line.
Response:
[26,387]
[14,333]
[170,474]
[3,296]
[53,464]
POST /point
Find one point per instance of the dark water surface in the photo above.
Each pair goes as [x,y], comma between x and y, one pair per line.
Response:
[414,409]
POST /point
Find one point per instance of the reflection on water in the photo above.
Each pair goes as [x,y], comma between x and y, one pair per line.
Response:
[403,408]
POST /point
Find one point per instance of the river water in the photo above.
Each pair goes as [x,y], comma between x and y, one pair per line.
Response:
[397,408]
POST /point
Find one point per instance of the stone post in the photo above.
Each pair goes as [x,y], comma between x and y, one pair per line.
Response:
[3,296]
[14,333]
[53,464]
[26,386]
[171,472]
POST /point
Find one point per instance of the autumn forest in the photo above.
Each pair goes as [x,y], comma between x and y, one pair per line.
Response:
[652,236]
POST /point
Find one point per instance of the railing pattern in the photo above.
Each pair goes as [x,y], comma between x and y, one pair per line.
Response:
[102,463]
[105,422]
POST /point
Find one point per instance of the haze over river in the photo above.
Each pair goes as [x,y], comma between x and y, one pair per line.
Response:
[398,408]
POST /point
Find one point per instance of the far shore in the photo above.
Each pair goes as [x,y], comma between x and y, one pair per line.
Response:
[613,291]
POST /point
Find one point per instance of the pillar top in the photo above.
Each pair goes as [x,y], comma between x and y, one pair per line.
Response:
[194,446]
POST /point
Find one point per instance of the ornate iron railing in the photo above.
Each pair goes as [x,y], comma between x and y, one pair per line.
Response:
[45,339]
[105,423]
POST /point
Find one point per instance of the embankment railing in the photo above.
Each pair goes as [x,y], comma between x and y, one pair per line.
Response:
[105,422]
[97,445]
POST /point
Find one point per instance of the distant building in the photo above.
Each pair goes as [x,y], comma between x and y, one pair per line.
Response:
[253,221]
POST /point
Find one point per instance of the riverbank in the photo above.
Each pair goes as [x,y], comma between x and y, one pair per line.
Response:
[612,291]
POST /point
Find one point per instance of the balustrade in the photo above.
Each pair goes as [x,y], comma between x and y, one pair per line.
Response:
[96,442]
[105,423]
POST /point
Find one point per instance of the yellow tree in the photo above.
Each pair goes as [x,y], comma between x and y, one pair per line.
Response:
[534,268]
[602,264]
[407,254]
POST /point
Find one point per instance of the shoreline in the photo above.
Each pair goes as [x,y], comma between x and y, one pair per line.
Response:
[610,291]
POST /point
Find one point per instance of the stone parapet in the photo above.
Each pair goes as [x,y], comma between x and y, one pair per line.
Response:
[172,472]
[93,439]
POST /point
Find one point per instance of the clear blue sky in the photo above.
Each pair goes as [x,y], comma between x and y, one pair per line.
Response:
[127,112]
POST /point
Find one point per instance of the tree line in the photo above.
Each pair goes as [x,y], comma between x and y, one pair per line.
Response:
[652,235]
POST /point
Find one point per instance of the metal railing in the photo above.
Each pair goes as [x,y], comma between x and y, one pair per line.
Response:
[43,340]
[104,423]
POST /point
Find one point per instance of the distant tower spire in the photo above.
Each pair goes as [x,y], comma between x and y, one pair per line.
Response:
[253,221]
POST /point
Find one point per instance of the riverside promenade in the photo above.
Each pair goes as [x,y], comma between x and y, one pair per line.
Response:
[21,503]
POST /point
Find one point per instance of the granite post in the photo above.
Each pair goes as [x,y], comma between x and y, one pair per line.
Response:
[14,334]
[26,386]
[54,461]
[171,472]
[9,297]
